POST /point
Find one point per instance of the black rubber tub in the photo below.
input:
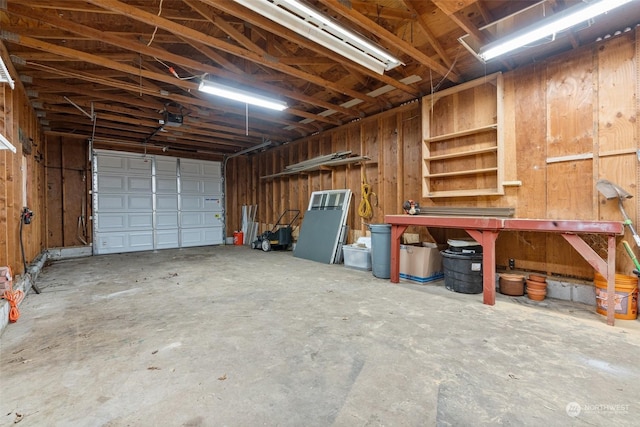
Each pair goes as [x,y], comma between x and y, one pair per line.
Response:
[462,271]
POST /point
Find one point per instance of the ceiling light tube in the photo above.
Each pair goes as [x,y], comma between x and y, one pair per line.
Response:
[249,150]
[4,74]
[241,96]
[321,29]
[557,23]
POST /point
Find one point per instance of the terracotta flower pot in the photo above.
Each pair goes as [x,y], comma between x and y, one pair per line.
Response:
[536,295]
[511,284]
[537,278]
[539,286]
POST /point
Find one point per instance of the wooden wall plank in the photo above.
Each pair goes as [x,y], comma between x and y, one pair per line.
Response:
[524,95]
[4,161]
[389,167]
[13,185]
[569,190]
[4,234]
[570,105]
[616,103]
[530,137]
[54,192]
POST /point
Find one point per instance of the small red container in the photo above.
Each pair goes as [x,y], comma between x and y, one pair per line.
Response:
[238,238]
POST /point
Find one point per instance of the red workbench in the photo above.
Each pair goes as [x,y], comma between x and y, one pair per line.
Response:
[485,231]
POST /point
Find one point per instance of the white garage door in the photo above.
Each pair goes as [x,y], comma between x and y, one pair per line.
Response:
[155,202]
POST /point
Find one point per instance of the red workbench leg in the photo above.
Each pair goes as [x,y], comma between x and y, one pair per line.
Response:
[487,239]
[396,233]
[607,269]
[611,281]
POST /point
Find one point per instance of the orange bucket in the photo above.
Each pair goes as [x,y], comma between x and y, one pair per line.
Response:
[238,238]
[626,298]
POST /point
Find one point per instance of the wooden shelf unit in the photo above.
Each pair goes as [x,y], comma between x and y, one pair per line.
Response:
[462,138]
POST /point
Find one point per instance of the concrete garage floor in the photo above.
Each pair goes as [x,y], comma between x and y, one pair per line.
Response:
[229,336]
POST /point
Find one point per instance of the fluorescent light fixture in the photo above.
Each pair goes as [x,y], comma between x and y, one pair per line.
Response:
[249,150]
[323,30]
[5,144]
[555,24]
[241,96]
[4,74]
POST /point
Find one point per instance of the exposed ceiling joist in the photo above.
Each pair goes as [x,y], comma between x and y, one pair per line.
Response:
[131,59]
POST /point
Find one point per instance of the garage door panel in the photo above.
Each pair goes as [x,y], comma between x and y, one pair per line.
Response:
[124,242]
[140,202]
[191,168]
[111,243]
[166,239]
[107,222]
[213,187]
[142,240]
[107,163]
[201,236]
[110,222]
[192,203]
[167,220]
[112,184]
[124,202]
[111,202]
[213,169]
[167,202]
[200,219]
[166,185]
[199,168]
[139,184]
[155,202]
[123,164]
[192,219]
[166,166]
[140,220]
[213,204]
[213,235]
[201,203]
[191,186]
[124,184]
[140,165]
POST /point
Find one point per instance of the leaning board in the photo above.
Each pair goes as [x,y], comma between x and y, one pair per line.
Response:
[318,234]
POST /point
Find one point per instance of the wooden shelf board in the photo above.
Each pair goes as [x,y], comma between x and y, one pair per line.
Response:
[461,173]
[464,193]
[468,153]
[323,166]
[461,133]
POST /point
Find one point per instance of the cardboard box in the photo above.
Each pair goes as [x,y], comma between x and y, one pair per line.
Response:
[421,263]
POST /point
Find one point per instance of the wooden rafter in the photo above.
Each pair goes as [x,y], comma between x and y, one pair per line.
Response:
[453,9]
[253,18]
[140,48]
[433,40]
[190,33]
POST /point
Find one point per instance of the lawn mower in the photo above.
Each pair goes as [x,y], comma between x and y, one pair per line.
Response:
[280,235]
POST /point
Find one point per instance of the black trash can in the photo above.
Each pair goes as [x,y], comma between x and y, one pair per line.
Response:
[462,271]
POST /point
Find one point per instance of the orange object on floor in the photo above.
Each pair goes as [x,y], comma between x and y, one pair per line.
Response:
[14,298]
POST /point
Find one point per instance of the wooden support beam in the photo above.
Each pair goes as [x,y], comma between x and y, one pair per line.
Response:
[390,38]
